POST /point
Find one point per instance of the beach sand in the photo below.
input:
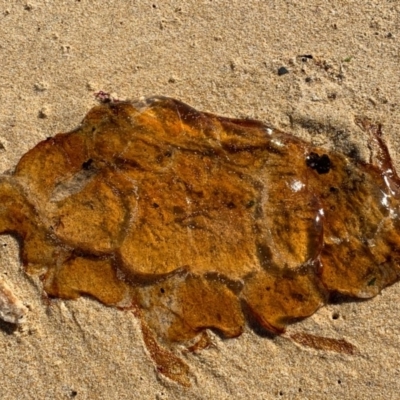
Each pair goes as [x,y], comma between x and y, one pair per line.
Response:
[222,57]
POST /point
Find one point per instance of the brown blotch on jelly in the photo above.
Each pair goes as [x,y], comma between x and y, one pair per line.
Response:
[198,221]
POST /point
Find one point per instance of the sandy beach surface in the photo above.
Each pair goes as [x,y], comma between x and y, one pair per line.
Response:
[343,61]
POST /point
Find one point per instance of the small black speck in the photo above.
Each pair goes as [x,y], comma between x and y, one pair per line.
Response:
[42,114]
[372,282]
[282,71]
[231,205]
[281,393]
[335,315]
[339,382]
[162,290]
[250,204]
[74,393]
[308,79]
[155,205]
[354,153]
[87,164]
[322,164]
[306,57]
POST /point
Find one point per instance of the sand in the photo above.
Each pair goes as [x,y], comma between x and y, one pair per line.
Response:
[223,57]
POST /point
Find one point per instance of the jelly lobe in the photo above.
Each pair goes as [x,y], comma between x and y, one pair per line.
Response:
[194,218]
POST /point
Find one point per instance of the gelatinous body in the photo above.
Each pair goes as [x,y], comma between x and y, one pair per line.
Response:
[200,221]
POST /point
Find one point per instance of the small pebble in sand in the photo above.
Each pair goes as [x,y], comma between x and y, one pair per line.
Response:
[282,71]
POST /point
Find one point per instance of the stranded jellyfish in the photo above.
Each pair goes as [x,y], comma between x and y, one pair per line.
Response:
[195,221]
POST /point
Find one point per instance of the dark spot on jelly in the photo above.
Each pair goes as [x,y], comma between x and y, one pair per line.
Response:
[178,210]
[321,164]
[372,282]
[298,296]
[87,164]
[250,204]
